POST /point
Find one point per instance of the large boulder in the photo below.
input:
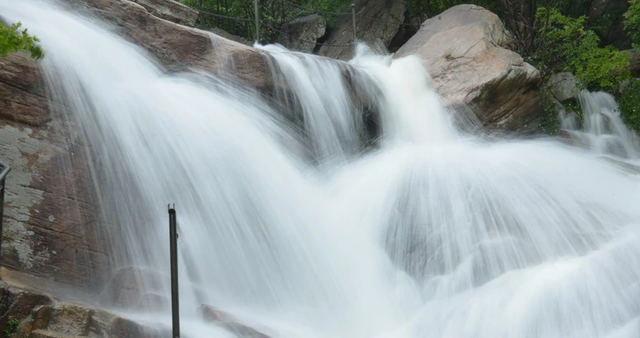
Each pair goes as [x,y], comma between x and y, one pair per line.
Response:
[171,10]
[377,22]
[51,227]
[465,51]
[302,34]
[563,86]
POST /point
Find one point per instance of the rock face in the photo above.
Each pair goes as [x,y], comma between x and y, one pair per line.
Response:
[377,22]
[51,227]
[129,288]
[465,51]
[17,303]
[179,48]
[51,224]
[563,86]
[171,10]
[31,313]
[609,12]
[302,34]
[213,315]
[62,320]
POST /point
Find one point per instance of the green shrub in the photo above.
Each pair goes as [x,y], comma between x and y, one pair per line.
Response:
[632,22]
[566,45]
[630,105]
[12,327]
[13,39]
[549,122]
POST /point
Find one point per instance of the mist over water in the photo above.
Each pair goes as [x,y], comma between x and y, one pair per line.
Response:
[431,233]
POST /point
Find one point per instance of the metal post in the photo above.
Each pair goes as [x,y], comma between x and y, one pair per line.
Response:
[4,170]
[255,8]
[173,248]
[353,18]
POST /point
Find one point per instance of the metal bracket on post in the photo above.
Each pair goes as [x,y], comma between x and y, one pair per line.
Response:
[173,248]
[4,170]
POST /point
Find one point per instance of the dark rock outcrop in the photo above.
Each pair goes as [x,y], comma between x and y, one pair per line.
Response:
[608,15]
[302,34]
[465,51]
[377,22]
[563,86]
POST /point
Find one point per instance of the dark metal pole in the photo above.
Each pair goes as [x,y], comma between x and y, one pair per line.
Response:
[4,170]
[173,247]
[353,18]
[257,17]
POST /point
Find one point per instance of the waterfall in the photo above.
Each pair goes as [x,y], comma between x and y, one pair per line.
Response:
[603,130]
[432,232]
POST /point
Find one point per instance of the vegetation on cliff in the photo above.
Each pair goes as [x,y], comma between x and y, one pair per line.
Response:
[15,39]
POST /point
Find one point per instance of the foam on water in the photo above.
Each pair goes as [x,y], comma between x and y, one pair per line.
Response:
[432,233]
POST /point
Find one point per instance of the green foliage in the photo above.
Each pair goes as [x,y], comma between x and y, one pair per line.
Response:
[13,39]
[12,327]
[630,105]
[575,108]
[273,14]
[566,45]
[632,22]
[549,122]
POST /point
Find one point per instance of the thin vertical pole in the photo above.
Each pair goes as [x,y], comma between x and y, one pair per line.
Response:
[4,170]
[255,8]
[173,248]
[353,18]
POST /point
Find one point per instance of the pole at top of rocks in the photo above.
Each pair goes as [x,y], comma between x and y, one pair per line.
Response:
[255,8]
[4,170]
[353,18]
[173,248]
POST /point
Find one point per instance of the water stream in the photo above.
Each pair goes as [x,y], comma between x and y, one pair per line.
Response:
[431,233]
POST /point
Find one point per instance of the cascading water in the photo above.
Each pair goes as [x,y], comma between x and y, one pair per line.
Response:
[603,130]
[431,234]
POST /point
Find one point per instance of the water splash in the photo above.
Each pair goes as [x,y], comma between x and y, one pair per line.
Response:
[602,128]
[431,234]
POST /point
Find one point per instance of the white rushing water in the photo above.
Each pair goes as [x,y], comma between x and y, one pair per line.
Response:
[432,233]
[602,130]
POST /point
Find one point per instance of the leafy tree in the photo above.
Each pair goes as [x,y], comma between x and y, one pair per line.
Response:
[14,39]
[630,105]
[632,22]
[565,44]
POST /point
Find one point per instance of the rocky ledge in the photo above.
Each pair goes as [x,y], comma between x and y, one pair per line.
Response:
[31,308]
